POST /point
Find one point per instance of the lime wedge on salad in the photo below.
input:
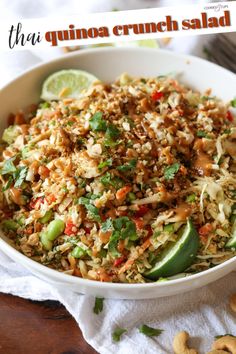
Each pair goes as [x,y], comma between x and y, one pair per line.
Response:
[66,84]
[177,257]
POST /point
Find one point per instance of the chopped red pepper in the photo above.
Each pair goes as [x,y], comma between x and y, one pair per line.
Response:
[142,210]
[87,229]
[149,230]
[205,229]
[70,229]
[35,203]
[229,116]
[118,261]
[139,223]
[157,95]
[51,198]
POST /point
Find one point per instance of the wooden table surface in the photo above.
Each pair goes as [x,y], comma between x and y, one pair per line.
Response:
[31,327]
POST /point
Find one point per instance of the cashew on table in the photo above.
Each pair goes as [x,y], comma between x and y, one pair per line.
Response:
[180,345]
[227,343]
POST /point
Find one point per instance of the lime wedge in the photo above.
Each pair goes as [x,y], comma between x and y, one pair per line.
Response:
[148,43]
[179,256]
[66,84]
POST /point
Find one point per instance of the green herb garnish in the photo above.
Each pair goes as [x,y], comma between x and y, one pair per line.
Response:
[169,228]
[107,225]
[149,331]
[128,167]
[98,306]
[8,184]
[111,135]
[20,177]
[93,211]
[105,164]
[116,335]
[44,105]
[112,245]
[8,167]
[96,123]
[107,180]
[123,228]
[233,103]
[126,228]
[170,171]
[201,134]
[191,198]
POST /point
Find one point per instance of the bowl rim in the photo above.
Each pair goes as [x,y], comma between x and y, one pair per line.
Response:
[65,278]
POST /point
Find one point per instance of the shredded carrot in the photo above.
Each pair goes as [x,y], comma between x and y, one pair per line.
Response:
[122,192]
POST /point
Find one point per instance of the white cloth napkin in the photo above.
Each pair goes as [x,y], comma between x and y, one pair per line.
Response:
[204,313]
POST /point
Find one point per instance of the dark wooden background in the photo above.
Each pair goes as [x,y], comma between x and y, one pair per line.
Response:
[31,327]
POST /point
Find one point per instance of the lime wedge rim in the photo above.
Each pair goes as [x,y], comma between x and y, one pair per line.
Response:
[67,83]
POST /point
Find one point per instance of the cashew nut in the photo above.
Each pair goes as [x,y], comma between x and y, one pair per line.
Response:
[228,343]
[180,344]
[232,302]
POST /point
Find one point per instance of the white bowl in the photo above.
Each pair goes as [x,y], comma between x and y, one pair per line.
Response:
[107,64]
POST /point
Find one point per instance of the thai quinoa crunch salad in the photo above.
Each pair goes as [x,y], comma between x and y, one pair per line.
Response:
[130,182]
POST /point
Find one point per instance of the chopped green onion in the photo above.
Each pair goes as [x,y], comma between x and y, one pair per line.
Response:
[78,252]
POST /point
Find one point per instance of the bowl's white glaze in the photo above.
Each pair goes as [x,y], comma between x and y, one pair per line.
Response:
[107,64]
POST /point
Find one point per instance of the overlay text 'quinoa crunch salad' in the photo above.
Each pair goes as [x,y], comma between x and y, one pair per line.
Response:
[131,182]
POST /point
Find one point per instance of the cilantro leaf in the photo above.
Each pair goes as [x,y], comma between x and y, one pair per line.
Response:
[126,227]
[201,134]
[107,180]
[171,170]
[98,305]
[112,245]
[92,210]
[233,103]
[22,172]
[149,331]
[8,167]
[123,228]
[105,164]
[84,201]
[112,133]
[8,184]
[96,123]
[116,335]
[107,225]
[129,166]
